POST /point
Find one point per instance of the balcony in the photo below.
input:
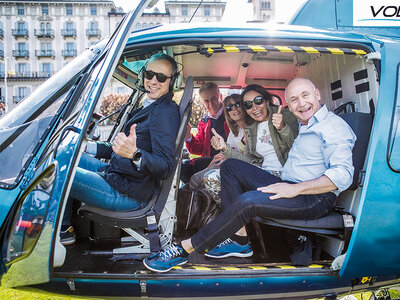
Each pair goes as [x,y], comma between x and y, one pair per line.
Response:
[45,53]
[1,33]
[93,32]
[20,53]
[24,76]
[1,53]
[17,99]
[69,53]
[68,32]
[20,33]
[44,33]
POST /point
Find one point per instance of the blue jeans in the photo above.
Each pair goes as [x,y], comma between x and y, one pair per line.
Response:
[241,202]
[90,188]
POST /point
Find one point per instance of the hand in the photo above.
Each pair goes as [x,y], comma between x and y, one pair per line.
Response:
[281,190]
[188,132]
[217,141]
[125,146]
[218,159]
[277,119]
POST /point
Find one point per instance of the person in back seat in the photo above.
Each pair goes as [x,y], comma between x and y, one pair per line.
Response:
[140,156]
[201,143]
[318,168]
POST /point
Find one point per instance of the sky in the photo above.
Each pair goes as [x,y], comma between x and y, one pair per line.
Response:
[235,9]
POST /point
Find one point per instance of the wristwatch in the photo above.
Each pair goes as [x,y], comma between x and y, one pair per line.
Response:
[136,156]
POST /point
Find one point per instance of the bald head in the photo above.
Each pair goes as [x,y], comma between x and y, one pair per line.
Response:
[303,99]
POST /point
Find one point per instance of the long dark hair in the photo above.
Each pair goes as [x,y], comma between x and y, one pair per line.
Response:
[259,89]
[233,126]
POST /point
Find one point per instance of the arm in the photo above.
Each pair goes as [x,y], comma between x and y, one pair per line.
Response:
[319,185]
[196,144]
[104,150]
[164,128]
[291,129]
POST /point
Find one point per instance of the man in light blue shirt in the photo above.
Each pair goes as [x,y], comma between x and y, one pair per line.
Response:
[318,168]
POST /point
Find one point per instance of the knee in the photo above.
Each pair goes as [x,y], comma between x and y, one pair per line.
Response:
[229,165]
[248,202]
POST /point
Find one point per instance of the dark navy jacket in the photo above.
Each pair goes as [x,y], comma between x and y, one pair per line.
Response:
[156,131]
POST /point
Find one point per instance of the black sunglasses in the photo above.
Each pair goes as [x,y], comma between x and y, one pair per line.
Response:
[230,107]
[160,76]
[248,104]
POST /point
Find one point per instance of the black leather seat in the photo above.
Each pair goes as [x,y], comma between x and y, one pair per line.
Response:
[336,222]
[144,224]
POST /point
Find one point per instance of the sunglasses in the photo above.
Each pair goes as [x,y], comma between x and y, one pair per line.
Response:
[248,104]
[159,76]
[230,107]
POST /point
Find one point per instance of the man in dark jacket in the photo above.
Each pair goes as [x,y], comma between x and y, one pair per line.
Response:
[201,143]
[140,156]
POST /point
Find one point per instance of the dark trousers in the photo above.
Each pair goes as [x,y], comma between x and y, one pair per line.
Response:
[241,202]
[190,167]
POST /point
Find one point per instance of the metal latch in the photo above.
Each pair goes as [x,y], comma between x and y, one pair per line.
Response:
[71,285]
[143,287]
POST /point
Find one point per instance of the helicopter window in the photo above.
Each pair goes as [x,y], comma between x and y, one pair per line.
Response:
[394,145]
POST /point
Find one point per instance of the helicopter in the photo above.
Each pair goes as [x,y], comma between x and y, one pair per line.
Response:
[351,56]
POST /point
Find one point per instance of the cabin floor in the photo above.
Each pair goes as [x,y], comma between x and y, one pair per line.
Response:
[94,255]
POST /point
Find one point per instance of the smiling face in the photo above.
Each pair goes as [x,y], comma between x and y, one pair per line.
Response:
[211,100]
[303,99]
[156,88]
[237,113]
[257,112]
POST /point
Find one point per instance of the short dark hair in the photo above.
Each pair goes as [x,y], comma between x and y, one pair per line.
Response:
[259,89]
[233,126]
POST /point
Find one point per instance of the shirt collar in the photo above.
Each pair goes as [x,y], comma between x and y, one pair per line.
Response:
[318,116]
[146,102]
[219,113]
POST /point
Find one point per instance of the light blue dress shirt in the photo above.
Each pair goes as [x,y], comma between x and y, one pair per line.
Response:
[323,147]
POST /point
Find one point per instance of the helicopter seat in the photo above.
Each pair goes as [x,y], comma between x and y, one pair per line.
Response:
[339,222]
[150,228]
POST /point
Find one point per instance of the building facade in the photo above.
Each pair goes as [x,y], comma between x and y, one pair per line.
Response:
[263,10]
[38,38]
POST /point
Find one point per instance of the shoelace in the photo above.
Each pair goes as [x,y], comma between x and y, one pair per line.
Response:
[169,252]
[226,242]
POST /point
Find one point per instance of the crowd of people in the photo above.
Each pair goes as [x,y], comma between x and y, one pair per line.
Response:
[258,157]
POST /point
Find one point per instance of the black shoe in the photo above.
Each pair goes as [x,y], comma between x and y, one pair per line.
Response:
[67,237]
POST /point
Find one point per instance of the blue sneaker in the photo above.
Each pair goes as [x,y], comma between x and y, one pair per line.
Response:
[230,248]
[165,260]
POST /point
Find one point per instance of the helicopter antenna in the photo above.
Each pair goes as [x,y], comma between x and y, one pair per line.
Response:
[195,11]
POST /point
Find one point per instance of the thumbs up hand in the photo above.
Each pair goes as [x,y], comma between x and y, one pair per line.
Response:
[217,141]
[277,119]
[125,146]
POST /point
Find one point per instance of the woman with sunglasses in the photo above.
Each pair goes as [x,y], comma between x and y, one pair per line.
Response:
[140,156]
[270,138]
[236,119]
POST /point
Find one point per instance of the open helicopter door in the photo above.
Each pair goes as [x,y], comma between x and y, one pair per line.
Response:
[374,248]
[32,224]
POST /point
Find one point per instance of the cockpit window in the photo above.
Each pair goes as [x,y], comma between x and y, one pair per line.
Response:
[19,142]
[23,128]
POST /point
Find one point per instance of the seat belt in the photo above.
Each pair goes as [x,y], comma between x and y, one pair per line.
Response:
[153,232]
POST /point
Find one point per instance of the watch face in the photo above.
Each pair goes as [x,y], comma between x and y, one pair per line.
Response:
[137,155]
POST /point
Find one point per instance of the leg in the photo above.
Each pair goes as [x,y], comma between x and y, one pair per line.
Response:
[201,163]
[238,177]
[255,203]
[186,171]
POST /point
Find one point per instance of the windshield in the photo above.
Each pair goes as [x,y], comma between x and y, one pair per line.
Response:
[28,107]
[23,128]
